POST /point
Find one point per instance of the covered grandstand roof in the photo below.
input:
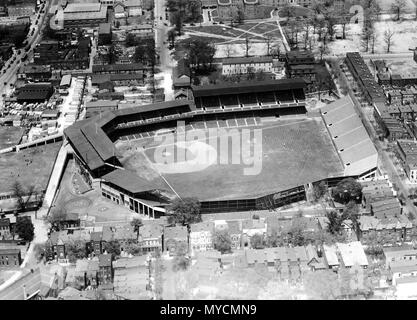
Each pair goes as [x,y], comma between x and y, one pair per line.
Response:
[155,107]
[129,181]
[350,138]
[93,145]
[248,87]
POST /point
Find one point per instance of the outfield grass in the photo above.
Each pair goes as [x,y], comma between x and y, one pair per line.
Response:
[294,152]
[31,167]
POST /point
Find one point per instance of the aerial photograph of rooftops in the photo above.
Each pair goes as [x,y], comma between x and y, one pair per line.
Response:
[187,150]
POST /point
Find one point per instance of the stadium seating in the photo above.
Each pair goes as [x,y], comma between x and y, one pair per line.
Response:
[229,101]
[210,102]
[248,99]
[299,94]
[285,96]
[267,98]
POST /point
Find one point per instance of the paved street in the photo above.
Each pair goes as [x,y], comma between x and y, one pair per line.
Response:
[166,62]
[10,76]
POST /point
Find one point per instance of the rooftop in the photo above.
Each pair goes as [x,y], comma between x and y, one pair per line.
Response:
[352,253]
[248,87]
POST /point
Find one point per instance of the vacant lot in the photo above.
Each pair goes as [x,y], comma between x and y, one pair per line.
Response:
[29,167]
[293,152]
[10,136]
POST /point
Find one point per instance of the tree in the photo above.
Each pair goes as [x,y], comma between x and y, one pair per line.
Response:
[171,37]
[319,190]
[25,229]
[112,247]
[133,248]
[55,218]
[40,251]
[257,241]
[351,211]
[185,211]
[136,224]
[76,250]
[388,39]
[240,16]
[268,40]
[323,50]
[131,40]
[347,190]
[229,50]
[397,7]
[296,234]
[112,54]
[23,196]
[275,239]
[177,20]
[222,241]
[335,225]
[199,53]
[181,261]
[247,46]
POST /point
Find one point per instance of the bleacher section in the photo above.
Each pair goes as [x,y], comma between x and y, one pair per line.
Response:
[356,150]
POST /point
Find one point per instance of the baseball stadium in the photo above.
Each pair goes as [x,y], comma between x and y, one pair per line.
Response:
[272,151]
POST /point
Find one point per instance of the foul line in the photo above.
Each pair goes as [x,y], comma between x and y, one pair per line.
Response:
[160,174]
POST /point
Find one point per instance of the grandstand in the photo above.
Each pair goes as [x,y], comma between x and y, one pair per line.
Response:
[279,94]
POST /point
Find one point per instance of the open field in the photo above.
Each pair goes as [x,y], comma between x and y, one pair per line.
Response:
[230,42]
[403,40]
[91,203]
[294,152]
[10,136]
[30,167]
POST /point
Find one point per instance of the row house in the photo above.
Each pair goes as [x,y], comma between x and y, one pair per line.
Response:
[407,150]
[181,75]
[345,255]
[119,68]
[395,97]
[401,262]
[87,272]
[151,237]
[376,190]
[288,263]
[244,65]
[5,229]
[10,258]
[105,264]
[386,208]
[393,230]
[35,73]
[201,236]
[57,242]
